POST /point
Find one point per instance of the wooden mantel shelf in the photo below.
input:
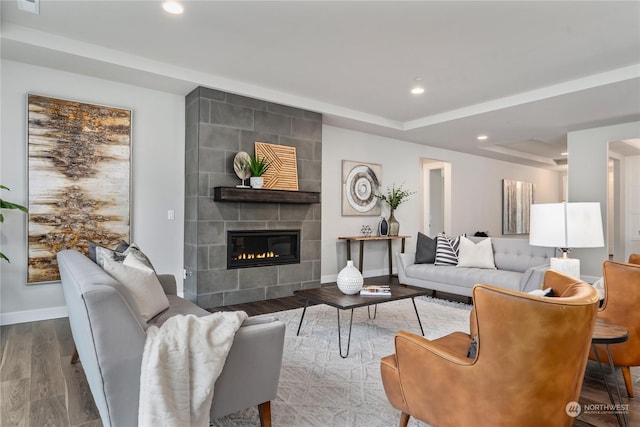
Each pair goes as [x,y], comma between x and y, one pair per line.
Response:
[234,194]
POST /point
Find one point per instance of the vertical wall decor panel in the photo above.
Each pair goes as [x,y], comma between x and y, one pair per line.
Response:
[79,159]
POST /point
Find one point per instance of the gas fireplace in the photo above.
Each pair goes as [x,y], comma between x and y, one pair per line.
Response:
[255,248]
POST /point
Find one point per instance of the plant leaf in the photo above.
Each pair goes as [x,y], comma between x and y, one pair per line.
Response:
[8,205]
[2,256]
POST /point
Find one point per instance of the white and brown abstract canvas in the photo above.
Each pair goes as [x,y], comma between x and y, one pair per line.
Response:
[79,180]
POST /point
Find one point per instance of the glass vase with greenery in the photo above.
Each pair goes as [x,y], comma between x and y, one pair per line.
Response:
[8,205]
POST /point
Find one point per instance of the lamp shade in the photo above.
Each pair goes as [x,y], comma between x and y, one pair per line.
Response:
[566,225]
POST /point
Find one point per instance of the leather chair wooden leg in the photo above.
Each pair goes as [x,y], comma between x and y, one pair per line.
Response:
[626,373]
[264,409]
[404,419]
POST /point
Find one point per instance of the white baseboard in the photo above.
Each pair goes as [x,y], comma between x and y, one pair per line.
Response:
[33,315]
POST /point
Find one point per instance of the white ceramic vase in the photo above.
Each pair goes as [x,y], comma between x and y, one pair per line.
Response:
[350,279]
[256,181]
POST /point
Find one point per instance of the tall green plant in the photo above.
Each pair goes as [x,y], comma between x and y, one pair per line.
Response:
[8,205]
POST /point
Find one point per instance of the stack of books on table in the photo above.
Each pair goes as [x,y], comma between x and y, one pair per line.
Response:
[375,291]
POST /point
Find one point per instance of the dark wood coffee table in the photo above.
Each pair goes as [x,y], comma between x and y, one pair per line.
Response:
[331,295]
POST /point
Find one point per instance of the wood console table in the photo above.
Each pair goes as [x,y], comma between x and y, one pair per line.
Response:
[363,239]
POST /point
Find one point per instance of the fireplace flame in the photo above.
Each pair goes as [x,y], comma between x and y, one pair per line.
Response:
[248,256]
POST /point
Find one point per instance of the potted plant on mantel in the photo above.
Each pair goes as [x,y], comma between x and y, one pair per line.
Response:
[258,166]
[8,205]
[394,197]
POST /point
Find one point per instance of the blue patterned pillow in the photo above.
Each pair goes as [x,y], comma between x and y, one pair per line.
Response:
[447,250]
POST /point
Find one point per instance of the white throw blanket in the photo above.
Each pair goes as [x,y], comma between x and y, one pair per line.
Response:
[181,362]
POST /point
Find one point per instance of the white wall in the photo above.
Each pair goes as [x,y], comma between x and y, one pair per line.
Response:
[476,199]
[588,180]
[158,177]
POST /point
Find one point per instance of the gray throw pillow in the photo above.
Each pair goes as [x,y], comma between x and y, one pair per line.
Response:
[425,249]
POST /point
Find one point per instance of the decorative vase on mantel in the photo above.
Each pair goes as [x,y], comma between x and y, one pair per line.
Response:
[350,279]
[394,225]
[256,181]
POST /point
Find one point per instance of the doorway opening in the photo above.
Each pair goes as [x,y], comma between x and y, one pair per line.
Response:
[436,196]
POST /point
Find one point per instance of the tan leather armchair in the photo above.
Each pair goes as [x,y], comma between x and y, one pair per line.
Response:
[621,306]
[530,360]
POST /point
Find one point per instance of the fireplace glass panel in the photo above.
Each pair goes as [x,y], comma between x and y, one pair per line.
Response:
[254,248]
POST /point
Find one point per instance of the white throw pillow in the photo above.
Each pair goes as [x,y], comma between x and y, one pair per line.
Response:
[137,275]
[479,255]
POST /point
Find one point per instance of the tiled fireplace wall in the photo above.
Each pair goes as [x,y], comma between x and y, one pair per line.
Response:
[218,125]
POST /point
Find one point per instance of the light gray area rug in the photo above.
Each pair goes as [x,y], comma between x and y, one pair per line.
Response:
[319,388]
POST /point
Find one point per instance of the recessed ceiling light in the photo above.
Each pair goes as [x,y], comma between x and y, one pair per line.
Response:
[482,137]
[173,7]
[564,154]
[417,90]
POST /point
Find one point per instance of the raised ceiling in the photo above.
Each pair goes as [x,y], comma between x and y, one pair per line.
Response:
[523,73]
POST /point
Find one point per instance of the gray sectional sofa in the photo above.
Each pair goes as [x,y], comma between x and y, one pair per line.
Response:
[519,267]
[109,333]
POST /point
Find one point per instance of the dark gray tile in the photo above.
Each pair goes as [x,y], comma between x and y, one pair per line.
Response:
[293,273]
[317,151]
[190,258]
[191,232]
[259,211]
[311,230]
[210,300]
[249,278]
[272,123]
[204,111]
[211,160]
[191,184]
[192,96]
[218,256]
[203,257]
[217,280]
[310,250]
[210,232]
[231,115]
[248,140]
[281,291]
[212,94]
[311,170]
[244,101]
[295,212]
[246,295]
[304,148]
[310,285]
[285,110]
[312,115]
[219,137]
[308,129]
[246,225]
[208,210]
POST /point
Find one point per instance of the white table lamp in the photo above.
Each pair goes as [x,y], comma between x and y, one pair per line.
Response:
[566,226]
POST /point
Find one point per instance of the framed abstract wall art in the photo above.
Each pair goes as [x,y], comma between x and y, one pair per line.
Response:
[79,162]
[517,198]
[360,184]
[283,170]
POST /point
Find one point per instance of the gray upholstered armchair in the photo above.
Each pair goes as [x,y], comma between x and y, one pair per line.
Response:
[110,335]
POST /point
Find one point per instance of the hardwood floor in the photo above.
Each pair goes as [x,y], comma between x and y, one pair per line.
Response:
[39,387]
